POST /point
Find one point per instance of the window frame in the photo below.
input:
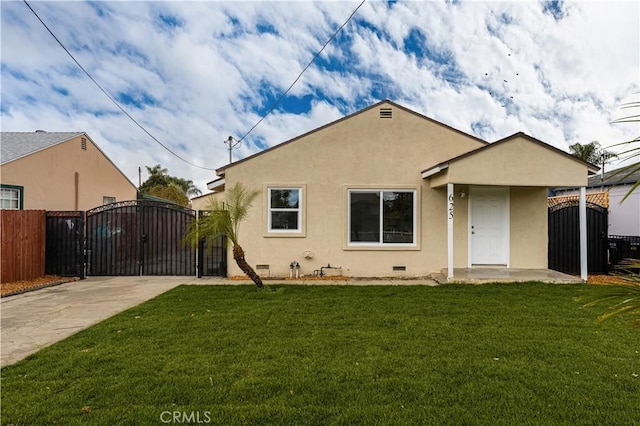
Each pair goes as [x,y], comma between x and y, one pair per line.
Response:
[294,232]
[381,244]
[19,199]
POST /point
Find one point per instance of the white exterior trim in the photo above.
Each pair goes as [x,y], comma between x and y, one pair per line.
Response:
[450,213]
[215,184]
[583,234]
[434,170]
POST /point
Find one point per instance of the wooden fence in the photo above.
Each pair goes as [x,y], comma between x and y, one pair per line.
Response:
[23,238]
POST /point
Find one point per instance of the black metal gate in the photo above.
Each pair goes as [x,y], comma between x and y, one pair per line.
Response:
[64,251]
[212,255]
[139,237]
[564,238]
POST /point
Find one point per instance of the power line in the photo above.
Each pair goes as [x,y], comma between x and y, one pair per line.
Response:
[116,103]
[277,102]
[271,109]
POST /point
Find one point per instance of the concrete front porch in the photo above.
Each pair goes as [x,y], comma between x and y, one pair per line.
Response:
[481,275]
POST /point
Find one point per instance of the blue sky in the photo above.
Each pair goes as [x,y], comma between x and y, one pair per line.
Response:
[194,73]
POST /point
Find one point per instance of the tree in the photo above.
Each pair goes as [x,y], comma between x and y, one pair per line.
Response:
[161,184]
[171,193]
[592,153]
[224,219]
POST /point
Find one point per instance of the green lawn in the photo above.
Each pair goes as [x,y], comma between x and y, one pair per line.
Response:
[457,354]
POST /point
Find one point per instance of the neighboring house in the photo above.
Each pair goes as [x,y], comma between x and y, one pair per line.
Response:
[389,192]
[624,217]
[58,171]
[202,202]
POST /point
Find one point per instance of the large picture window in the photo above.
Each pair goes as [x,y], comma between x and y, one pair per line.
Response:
[382,217]
[285,208]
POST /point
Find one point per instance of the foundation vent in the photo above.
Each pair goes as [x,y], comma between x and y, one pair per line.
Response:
[262,266]
[399,268]
[386,113]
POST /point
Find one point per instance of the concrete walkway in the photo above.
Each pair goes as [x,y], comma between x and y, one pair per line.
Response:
[34,320]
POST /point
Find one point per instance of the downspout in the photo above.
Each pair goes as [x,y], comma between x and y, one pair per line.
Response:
[77,191]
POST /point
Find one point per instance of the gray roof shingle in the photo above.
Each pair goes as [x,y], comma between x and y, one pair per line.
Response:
[614,177]
[14,145]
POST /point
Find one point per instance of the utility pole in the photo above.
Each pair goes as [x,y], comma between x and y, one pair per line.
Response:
[233,144]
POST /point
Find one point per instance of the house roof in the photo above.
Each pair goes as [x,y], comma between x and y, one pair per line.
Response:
[216,184]
[15,145]
[442,166]
[220,171]
[615,177]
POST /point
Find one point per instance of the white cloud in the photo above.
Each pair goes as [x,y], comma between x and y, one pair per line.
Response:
[212,68]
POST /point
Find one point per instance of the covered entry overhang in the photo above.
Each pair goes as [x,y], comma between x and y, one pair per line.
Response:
[516,161]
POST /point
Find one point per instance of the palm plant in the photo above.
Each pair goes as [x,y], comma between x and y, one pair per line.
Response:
[632,148]
[625,299]
[223,219]
[592,153]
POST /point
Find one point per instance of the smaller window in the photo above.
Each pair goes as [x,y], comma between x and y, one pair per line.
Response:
[11,197]
[285,210]
[108,200]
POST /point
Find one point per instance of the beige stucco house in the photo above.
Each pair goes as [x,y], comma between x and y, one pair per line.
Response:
[388,192]
[58,171]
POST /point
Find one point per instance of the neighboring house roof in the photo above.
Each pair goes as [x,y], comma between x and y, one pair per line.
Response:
[220,171]
[439,167]
[615,178]
[15,145]
[143,196]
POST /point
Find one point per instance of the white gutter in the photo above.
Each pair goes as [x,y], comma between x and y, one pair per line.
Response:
[215,184]
[434,170]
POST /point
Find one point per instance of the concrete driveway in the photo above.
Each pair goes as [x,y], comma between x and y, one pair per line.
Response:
[34,320]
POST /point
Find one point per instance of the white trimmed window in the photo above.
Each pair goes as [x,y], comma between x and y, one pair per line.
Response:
[382,217]
[108,200]
[285,209]
[10,198]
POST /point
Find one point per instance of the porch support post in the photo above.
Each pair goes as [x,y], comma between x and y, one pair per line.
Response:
[450,198]
[583,234]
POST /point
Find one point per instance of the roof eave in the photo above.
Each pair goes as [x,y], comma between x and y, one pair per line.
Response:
[434,170]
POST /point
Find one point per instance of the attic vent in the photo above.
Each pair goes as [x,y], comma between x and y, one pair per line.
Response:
[386,113]
[399,268]
[83,143]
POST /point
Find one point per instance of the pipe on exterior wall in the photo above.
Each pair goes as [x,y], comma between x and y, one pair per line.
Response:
[77,190]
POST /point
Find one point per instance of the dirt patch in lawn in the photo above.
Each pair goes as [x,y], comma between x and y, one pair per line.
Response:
[17,287]
[608,280]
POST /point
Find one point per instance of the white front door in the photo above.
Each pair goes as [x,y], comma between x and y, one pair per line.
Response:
[488,226]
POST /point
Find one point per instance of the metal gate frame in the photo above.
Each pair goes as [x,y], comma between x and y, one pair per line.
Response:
[564,238]
[139,237]
[212,256]
[129,238]
[64,246]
